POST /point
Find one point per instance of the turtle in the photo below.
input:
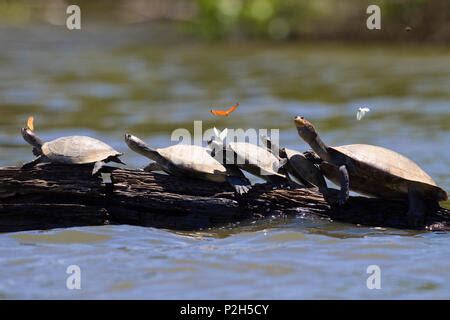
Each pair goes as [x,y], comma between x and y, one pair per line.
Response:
[70,150]
[374,171]
[302,166]
[191,161]
[251,158]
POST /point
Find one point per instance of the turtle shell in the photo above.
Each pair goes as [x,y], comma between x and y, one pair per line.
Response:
[382,172]
[195,160]
[77,150]
[255,159]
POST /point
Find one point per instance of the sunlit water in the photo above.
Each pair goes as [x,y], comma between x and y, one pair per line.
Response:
[103,85]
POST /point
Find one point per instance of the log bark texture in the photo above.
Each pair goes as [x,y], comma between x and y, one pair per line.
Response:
[54,196]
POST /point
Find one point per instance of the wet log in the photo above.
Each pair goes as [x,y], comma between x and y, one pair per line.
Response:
[56,196]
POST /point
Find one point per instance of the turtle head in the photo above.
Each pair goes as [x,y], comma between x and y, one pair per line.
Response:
[308,133]
[31,137]
[139,146]
[305,129]
[135,143]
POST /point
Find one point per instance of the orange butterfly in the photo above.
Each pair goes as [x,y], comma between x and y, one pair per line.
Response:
[225,113]
[30,123]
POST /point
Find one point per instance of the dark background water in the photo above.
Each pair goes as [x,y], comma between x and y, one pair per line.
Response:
[106,80]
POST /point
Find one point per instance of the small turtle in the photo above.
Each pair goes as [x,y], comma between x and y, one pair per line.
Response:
[70,150]
[301,166]
[374,171]
[251,158]
[190,160]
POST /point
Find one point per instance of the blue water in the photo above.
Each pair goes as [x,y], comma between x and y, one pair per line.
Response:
[296,259]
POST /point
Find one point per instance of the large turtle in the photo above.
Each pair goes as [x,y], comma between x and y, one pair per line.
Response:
[70,150]
[251,158]
[303,167]
[192,161]
[374,171]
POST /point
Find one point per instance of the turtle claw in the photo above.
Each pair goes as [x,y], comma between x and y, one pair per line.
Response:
[241,190]
[342,198]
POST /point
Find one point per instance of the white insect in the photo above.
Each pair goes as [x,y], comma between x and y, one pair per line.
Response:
[220,135]
[361,112]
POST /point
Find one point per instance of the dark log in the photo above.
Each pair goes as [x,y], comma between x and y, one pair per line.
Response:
[54,196]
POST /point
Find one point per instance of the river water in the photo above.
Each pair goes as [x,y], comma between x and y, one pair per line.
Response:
[103,84]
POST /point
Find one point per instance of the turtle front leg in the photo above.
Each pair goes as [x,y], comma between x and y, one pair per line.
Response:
[100,164]
[97,167]
[345,185]
[241,185]
[322,186]
[237,180]
[153,166]
[33,163]
[37,152]
[417,208]
[277,181]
